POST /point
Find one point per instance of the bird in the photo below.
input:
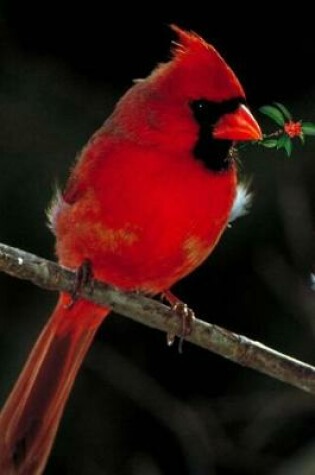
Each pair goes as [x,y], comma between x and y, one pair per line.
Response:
[145,204]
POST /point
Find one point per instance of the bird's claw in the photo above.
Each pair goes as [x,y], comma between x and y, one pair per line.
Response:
[187,317]
[83,276]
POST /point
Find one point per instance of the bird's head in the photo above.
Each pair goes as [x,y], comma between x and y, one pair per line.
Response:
[194,104]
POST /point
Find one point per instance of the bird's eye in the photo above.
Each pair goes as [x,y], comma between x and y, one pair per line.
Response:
[207,113]
[199,105]
[204,111]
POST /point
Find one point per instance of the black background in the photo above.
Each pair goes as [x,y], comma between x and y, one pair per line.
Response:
[138,407]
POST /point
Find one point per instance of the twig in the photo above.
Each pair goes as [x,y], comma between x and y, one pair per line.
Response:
[237,348]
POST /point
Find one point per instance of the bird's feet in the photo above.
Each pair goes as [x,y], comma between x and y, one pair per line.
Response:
[83,276]
[186,315]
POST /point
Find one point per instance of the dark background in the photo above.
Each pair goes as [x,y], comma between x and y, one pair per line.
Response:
[139,407]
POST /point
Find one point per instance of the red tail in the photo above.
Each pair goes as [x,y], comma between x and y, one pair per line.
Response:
[31,415]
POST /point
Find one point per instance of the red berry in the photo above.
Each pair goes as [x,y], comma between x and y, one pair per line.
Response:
[293,129]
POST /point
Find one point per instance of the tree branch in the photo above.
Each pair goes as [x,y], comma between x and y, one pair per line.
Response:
[238,348]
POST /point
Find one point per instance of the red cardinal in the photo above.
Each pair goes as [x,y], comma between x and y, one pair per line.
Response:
[145,204]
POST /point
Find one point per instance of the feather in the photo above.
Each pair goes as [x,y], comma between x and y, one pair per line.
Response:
[242,201]
[54,208]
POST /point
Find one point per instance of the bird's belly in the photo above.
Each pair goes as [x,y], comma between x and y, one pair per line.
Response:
[150,262]
[147,250]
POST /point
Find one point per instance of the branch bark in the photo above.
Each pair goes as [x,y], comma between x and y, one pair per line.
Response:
[237,348]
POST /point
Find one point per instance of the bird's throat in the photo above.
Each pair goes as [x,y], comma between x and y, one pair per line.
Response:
[215,154]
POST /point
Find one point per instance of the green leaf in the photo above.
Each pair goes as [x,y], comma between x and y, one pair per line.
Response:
[273,113]
[302,138]
[281,142]
[308,128]
[269,143]
[284,110]
[288,145]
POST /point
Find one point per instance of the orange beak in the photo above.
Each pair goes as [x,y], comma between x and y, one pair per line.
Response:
[237,126]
